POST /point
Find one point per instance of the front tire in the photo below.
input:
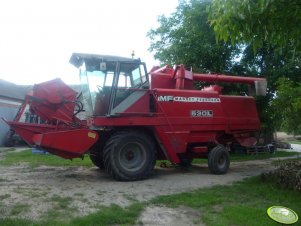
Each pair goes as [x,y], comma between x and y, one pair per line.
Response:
[129,156]
[218,160]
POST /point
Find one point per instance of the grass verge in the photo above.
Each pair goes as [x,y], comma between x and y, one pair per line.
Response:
[295,142]
[244,203]
[113,215]
[35,160]
[277,154]
[245,157]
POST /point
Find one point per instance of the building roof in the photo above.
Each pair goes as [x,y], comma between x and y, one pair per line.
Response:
[13,91]
[18,92]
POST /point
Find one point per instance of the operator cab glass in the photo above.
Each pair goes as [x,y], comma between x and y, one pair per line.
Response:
[106,84]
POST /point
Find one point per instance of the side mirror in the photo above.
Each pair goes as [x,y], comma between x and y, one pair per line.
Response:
[258,89]
[102,66]
[261,87]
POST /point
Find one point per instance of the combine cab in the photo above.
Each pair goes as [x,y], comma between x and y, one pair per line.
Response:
[133,120]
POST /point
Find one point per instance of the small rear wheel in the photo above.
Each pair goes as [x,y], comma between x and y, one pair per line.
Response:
[129,155]
[218,160]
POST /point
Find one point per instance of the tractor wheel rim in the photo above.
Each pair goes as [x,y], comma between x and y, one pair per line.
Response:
[132,156]
[221,161]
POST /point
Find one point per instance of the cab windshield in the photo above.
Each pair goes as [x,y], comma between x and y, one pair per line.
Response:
[106,86]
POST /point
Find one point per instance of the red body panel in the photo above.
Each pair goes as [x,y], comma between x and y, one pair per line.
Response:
[67,144]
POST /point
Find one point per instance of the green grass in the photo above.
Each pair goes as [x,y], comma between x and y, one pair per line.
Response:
[279,162]
[277,154]
[295,142]
[61,202]
[3,180]
[35,160]
[30,192]
[245,157]
[112,215]
[62,209]
[19,208]
[4,150]
[244,203]
[4,196]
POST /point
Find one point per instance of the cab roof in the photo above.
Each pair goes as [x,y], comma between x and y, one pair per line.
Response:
[77,59]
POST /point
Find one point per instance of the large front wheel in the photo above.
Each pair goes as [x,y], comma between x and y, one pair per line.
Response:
[218,160]
[129,156]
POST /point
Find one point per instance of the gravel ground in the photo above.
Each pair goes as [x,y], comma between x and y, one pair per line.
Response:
[296,147]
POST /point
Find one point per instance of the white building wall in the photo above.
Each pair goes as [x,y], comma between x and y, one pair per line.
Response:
[8,111]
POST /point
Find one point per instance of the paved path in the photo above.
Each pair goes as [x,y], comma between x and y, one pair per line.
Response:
[296,147]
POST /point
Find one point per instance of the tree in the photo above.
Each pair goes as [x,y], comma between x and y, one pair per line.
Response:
[274,22]
[274,66]
[271,32]
[187,38]
[288,106]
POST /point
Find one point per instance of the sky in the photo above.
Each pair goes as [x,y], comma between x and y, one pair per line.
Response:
[37,37]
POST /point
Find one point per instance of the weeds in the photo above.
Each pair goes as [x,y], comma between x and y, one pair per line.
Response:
[30,192]
[5,196]
[19,208]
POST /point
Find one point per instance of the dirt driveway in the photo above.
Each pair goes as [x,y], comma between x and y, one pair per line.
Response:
[87,188]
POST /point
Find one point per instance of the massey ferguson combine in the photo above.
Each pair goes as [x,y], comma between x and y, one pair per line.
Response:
[133,120]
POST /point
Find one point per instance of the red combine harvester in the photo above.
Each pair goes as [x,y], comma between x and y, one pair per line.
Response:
[132,121]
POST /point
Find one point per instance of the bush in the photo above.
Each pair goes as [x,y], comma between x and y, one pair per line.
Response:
[287,175]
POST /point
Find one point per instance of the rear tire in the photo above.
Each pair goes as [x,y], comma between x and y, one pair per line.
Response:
[129,156]
[218,160]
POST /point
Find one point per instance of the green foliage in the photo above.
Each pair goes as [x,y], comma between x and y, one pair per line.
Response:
[274,22]
[187,38]
[269,63]
[272,28]
[288,106]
